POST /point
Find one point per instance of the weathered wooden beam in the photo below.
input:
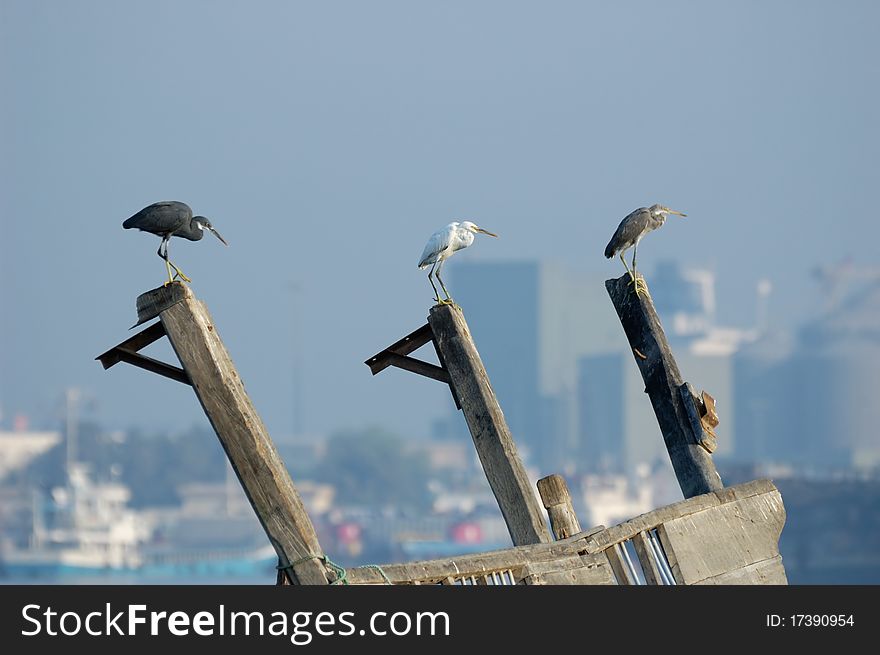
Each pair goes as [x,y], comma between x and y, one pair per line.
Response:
[619,566]
[693,465]
[557,501]
[494,443]
[629,529]
[738,541]
[245,439]
[646,559]
[756,507]
[152,303]
[476,564]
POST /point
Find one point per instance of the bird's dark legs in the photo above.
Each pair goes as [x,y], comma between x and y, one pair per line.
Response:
[163,253]
[448,300]
[431,272]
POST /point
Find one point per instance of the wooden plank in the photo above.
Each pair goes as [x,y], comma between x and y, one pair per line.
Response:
[152,365]
[646,559]
[245,439]
[725,538]
[593,542]
[445,368]
[152,303]
[584,575]
[693,465]
[628,529]
[619,566]
[411,342]
[495,560]
[418,366]
[492,439]
[557,501]
[766,572]
[467,565]
[572,569]
[141,340]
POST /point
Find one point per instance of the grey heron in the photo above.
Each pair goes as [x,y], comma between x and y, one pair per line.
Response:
[631,230]
[442,245]
[171,219]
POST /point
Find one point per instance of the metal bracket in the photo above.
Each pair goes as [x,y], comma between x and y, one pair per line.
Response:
[127,352]
[397,355]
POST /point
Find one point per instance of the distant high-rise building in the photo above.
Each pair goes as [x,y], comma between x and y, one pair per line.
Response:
[531,321]
[763,389]
[835,369]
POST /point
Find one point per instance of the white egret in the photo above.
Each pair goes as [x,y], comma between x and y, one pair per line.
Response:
[442,245]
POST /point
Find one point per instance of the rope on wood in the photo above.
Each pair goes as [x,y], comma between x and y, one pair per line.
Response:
[339,571]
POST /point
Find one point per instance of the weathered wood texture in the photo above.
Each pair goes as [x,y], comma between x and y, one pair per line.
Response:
[244,437]
[571,570]
[152,303]
[646,559]
[750,512]
[557,501]
[428,571]
[629,529]
[622,573]
[736,541]
[693,465]
[494,443]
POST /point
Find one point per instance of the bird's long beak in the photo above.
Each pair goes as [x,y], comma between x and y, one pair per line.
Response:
[217,234]
[491,234]
[672,211]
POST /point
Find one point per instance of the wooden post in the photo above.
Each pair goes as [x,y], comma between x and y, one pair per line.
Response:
[616,557]
[492,438]
[647,559]
[692,463]
[557,501]
[248,445]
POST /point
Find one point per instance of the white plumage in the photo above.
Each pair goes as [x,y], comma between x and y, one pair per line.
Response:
[442,245]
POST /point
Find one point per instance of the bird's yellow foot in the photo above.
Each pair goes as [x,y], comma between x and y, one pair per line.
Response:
[446,301]
[640,286]
[180,274]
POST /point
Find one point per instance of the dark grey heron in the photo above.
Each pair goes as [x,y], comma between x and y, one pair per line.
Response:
[630,232]
[442,245]
[171,219]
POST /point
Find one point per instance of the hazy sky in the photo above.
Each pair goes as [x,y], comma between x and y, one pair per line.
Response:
[327,140]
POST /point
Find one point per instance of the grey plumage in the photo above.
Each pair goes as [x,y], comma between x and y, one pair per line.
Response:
[631,230]
[168,219]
